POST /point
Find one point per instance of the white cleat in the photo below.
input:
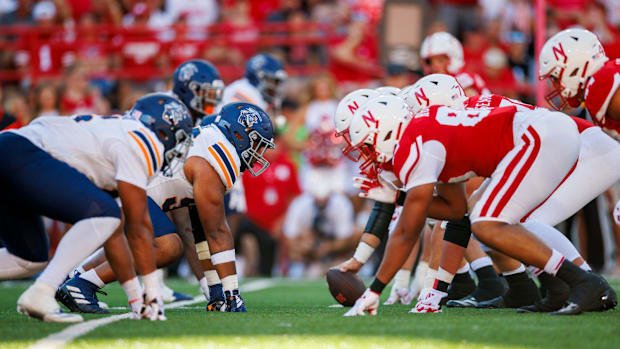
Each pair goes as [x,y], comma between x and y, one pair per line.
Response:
[399,295]
[430,303]
[38,302]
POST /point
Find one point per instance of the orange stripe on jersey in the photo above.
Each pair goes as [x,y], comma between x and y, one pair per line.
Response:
[149,166]
[243,98]
[222,167]
[230,158]
[154,146]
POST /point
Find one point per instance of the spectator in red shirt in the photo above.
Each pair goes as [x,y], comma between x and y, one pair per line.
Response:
[268,197]
[497,73]
[240,29]
[78,97]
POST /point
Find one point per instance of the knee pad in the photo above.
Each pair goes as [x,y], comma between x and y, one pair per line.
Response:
[458,232]
[379,220]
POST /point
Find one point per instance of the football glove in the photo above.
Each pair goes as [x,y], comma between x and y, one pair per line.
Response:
[368,302]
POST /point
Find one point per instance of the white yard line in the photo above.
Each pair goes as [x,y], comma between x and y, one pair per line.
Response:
[62,338]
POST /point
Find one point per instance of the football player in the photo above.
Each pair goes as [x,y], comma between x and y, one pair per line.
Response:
[597,151]
[197,83]
[442,53]
[74,161]
[442,147]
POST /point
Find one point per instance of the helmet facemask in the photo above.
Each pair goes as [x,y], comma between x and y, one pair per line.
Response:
[271,85]
[206,95]
[175,157]
[253,157]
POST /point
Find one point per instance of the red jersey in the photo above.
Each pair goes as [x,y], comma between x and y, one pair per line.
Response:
[600,89]
[496,101]
[269,194]
[442,144]
[472,80]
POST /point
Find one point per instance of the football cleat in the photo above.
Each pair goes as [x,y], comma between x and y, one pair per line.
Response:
[38,302]
[556,295]
[217,302]
[80,296]
[169,295]
[430,304]
[466,302]
[399,295]
[586,295]
[234,302]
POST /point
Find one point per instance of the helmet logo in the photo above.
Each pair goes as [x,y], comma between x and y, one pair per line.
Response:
[420,96]
[187,71]
[258,62]
[559,50]
[248,117]
[353,107]
[173,113]
[368,119]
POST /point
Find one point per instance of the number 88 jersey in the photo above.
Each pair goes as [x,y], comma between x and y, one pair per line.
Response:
[442,144]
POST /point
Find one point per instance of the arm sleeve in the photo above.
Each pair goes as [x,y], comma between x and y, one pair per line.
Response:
[130,167]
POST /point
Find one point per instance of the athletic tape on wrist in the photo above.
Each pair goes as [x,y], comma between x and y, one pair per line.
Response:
[379,220]
[363,252]
[202,249]
[223,257]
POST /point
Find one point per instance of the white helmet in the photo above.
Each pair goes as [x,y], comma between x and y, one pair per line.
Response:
[344,113]
[434,89]
[376,129]
[388,90]
[443,43]
[569,59]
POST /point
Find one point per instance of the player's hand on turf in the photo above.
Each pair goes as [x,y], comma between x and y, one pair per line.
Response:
[376,189]
[368,302]
[153,309]
[352,265]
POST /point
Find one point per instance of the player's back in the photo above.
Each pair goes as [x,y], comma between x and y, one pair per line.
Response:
[473,140]
[242,91]
[104,148]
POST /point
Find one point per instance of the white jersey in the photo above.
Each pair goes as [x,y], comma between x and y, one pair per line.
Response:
[106,149]
[337,222]
[170,193]
[320,113]
[242,91]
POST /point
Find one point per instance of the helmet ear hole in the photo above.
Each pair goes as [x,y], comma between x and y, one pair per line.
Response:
[162,135]
[574,72]
[389,134]
[238,136]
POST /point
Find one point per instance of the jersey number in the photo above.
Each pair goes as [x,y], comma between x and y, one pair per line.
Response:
[460,118]
[171,203]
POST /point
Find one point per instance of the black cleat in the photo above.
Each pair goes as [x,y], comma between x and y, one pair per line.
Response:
[587,294]
[467,302]
[495,303]
[462,286]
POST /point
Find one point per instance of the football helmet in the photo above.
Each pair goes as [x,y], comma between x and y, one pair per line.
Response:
[249,130]
[266,73]
[388,90]
[198,84]
[170,121]
[376,129]
[434,89]
[443,43]
[569,59]
[344,112]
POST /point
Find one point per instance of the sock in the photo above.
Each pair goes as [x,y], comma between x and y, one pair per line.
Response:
[133,290]
[230,283]
[554,263]
[80,269]
[520,269]
[443,280]
[553,238]
[429,281]
[464,269]
[79,242]
[212,277]
[570,273]
[92,276]
[151,285]
[401,279]
[204,286]
[481,263]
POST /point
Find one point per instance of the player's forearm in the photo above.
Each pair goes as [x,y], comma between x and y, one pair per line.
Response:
[140,238]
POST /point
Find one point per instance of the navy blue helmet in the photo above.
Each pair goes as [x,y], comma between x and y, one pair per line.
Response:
[198,84]
[170,121]
[249,129]
[266,73]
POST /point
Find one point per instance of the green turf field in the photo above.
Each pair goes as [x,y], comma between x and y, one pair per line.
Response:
[296,315]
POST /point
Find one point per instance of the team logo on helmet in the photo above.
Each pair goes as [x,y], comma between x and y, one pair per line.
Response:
[258,62]
[187,71]
[249,116]
[173,113]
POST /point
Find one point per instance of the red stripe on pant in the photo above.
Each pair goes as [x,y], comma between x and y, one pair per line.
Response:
[522,172]
[511,166]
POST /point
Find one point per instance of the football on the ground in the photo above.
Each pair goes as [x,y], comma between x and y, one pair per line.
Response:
[345,287]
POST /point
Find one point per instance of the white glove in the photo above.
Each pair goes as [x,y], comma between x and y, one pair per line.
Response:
[152,310]
[399,295]
[369,301]
[376,189]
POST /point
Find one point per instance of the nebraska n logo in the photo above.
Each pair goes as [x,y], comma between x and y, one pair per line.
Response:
[353,107]
[421,96]
[559,50]
[370,119]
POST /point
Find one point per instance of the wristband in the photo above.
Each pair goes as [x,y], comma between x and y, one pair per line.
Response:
[377,286]
[363,252]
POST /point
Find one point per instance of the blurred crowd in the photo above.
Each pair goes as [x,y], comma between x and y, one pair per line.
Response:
[65,57]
